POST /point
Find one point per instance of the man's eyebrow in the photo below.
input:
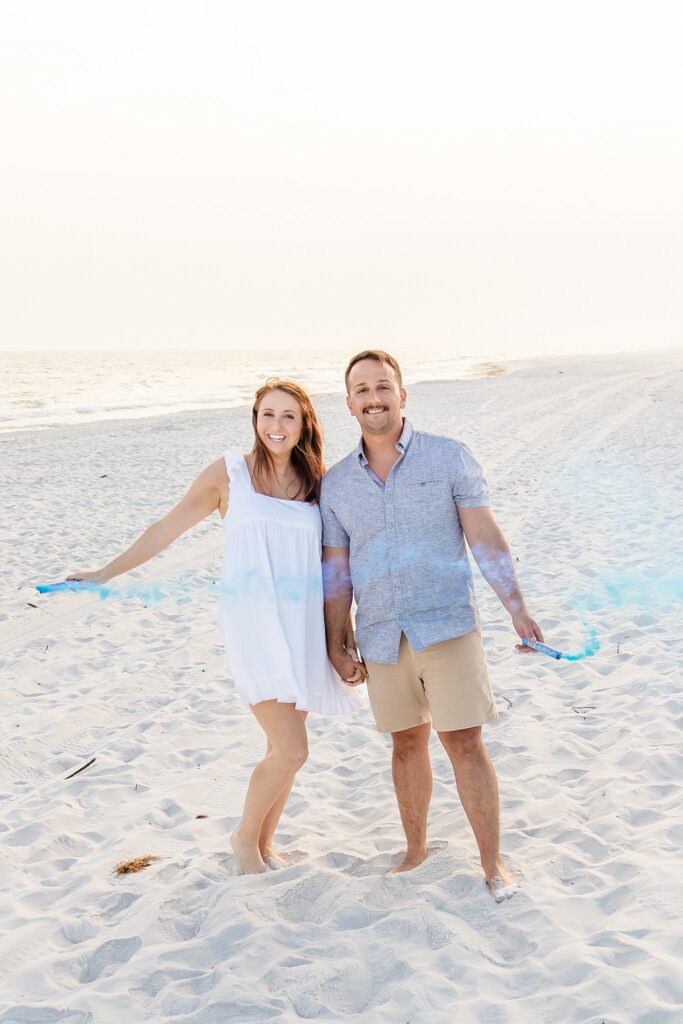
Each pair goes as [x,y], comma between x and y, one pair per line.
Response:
[362,383]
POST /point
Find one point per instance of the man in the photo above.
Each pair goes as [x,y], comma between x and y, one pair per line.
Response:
[395,512]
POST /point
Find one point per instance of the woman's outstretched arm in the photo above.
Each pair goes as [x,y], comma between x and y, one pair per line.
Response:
[207,493]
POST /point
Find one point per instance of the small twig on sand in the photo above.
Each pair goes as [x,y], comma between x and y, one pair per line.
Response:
[82,768]
[507,699]
[128,867]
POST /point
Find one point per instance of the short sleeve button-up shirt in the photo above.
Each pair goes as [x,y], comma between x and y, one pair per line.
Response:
[409,566]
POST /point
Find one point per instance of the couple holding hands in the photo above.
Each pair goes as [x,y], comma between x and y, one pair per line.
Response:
[391,520]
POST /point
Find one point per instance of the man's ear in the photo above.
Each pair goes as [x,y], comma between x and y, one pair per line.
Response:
[404,397]
[348,404]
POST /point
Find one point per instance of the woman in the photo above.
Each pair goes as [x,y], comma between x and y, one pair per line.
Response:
[271,607]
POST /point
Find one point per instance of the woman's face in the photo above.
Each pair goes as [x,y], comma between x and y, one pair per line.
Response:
[279,422]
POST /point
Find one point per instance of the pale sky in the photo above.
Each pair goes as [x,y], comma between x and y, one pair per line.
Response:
[469,177]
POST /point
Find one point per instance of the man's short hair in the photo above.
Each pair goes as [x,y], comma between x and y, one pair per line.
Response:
[380,357]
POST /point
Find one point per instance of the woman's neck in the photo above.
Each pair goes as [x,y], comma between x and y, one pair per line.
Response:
[282,466]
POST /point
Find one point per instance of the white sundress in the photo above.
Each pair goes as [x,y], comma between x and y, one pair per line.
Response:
[271,601]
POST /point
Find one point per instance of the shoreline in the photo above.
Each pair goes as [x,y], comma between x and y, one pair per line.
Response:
[487,370]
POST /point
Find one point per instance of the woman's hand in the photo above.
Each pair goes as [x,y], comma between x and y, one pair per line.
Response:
[96,577]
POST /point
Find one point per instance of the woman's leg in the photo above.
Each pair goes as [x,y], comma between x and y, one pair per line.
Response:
[272,819]
[272,777]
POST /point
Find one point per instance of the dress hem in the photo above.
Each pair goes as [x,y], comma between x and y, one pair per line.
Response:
[340,704]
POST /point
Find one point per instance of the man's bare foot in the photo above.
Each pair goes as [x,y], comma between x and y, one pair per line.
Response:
[501,883]
[412,859]
[271,858]
[248,860]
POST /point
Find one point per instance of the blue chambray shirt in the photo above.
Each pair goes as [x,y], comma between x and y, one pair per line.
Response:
[409,566]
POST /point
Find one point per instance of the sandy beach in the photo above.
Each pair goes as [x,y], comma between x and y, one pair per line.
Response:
[583,460]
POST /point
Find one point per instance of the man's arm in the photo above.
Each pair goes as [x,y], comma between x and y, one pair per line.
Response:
[492,555]
[338,597]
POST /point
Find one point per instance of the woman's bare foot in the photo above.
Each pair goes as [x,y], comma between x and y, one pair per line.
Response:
[411,859]
[501,883]
[248,859]
[271,858]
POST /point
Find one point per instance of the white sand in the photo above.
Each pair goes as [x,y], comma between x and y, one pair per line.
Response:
[582,461]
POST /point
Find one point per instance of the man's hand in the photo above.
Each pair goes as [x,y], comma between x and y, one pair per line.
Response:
[526,627]
[352,671]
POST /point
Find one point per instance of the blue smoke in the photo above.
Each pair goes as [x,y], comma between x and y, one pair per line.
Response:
[649,591]
[590,648]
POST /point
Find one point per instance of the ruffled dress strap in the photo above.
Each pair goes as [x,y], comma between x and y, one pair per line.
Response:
[238,474]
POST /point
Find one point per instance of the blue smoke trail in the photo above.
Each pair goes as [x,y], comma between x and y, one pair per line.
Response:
[590,648]
[250,586]
[640,590]
[146,592]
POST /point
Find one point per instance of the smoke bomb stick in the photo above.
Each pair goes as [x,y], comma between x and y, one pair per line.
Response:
[536,645]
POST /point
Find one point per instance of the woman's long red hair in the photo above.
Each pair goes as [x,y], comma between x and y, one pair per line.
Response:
[307,455]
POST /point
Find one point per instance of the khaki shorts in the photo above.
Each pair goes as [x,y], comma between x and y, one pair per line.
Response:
[446,684]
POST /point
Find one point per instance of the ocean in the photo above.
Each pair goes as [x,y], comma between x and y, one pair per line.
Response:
[40,390]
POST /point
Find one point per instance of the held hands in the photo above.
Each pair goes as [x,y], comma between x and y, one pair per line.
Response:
[526,627]
[352,671]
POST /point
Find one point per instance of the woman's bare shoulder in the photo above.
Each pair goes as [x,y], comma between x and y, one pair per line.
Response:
[216,477]
[217,469]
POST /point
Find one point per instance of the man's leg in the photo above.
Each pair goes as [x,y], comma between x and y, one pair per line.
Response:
[477,785]
[412,772]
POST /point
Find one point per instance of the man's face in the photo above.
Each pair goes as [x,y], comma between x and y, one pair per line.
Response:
[375,398]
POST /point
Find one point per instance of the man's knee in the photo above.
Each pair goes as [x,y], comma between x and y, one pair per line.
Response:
[410,741]
[463,742]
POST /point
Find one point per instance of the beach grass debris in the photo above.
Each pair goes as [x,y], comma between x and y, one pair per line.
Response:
[129,867]
[82,768]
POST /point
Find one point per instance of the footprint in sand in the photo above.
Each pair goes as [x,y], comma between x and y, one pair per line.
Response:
[78,929]
[181,917]
[310,899]
[419,927]
[114,906]
[185,996]
[324,988]
[26,835]
[180,991]
[105,960]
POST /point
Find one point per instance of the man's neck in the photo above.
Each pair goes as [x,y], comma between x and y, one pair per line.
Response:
[382,446]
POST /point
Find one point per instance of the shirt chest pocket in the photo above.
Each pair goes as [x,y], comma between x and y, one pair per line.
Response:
[423,488]
[424,504]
